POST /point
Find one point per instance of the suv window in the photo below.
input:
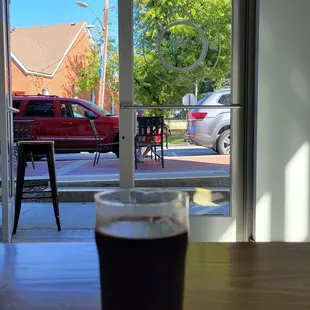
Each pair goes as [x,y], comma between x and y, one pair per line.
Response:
[72,109]
[204,98]
[225,99]
[39,109]
[16,104]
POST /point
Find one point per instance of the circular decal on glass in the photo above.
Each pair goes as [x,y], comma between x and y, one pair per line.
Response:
[182,44]
[182,48]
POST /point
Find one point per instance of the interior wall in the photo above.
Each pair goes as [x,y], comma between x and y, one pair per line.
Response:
[283,121]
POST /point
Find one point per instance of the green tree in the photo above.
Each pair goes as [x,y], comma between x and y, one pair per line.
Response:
[170,37]
[112,77]
[88,76]
[149,90]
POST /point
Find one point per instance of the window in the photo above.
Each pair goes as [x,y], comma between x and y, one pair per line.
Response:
[40,109]
[204,98]
[97,108]
[225,99]
[16,104]
[72,109]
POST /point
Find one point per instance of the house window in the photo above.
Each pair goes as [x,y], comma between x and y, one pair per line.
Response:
[39,109]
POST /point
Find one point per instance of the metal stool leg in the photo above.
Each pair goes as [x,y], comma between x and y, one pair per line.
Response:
[21,167]
[52,174]
[162,155]
[32,161]
[136,160]
[98,156]
[95,159]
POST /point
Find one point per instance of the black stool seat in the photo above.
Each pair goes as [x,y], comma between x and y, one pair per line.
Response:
[36,148]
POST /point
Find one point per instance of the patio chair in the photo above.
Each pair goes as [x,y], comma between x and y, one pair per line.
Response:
[100,140]
[150,133]
[23,131]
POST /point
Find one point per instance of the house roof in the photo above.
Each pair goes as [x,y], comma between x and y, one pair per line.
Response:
[41,50]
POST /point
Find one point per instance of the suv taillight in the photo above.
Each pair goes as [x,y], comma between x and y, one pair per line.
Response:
[199,116]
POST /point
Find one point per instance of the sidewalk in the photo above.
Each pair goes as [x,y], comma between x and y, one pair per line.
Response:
[184,166]
[37,222]
[177,164]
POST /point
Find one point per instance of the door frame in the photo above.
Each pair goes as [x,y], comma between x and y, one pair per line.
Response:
[238,226]
[6,121]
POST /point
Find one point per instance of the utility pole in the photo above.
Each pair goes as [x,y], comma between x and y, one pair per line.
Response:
[104,50]
[196,89]
[104,46]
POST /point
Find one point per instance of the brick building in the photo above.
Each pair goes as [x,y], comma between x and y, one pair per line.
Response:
[47,56]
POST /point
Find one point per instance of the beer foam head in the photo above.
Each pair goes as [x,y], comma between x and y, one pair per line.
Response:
[142,213]
[142,227]
[141,197]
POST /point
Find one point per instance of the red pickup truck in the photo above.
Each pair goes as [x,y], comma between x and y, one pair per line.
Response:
[66,121]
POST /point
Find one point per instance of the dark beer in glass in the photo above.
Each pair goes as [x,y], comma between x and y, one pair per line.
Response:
[141,237]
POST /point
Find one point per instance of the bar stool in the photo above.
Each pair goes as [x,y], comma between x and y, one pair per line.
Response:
[36,148]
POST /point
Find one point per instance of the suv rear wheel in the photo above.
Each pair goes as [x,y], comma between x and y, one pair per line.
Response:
[223,143]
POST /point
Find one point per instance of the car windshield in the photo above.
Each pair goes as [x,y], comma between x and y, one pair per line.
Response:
[204,98]
[97,108]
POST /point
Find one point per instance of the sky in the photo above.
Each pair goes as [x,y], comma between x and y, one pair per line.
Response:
[27,13]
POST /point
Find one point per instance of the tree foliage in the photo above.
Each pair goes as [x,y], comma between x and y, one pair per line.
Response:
[88,76]
[169,61]
[112,77]
[170,39]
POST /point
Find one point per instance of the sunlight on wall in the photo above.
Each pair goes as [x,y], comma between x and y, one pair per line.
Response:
[299,84]
[263,218]
[229,234]
[297,196]
[209,229]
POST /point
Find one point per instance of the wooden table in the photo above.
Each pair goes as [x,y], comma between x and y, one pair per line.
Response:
[249,276]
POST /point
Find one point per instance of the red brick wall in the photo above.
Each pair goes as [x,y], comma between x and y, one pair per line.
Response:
[61,83]
[19,79]
[108,101]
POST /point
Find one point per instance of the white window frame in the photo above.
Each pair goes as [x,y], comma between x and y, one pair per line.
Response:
[203,228]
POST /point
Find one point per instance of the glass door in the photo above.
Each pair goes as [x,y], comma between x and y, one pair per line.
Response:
[6,123]
[187,61]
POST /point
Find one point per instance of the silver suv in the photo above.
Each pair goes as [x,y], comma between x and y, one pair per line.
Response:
[211,127]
